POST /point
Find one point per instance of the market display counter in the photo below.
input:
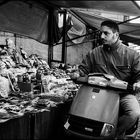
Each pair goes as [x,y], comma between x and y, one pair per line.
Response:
[33,96]
[48,124]
[17,128]
[40,125]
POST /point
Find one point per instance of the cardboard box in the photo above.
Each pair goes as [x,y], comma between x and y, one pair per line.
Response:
[25,87]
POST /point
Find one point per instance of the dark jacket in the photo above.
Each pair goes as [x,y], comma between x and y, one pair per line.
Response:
[118,60]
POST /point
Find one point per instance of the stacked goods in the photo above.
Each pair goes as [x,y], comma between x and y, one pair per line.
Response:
[29,84]
[34,74]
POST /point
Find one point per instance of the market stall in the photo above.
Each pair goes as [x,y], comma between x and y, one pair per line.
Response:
[45,124]
[16,128]
[34,98]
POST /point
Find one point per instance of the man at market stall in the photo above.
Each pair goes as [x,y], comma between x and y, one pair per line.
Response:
[117,59]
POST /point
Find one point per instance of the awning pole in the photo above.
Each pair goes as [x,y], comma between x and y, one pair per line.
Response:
[64,47]
[50,46]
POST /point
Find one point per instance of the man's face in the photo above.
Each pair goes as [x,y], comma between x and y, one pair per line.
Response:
[108,36]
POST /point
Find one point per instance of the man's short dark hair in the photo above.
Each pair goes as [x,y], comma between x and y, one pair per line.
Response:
[111,24]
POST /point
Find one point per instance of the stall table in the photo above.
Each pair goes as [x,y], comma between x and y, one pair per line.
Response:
[40,125]
[16,128]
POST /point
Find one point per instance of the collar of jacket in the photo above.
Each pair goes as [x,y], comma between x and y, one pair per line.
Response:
[113,46]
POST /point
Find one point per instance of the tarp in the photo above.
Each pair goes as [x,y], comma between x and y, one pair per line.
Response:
[24,19]
[30,17]
[128,7]
[78,29]
[129,29]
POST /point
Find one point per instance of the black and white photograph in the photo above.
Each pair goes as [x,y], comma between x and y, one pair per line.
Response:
[69,70]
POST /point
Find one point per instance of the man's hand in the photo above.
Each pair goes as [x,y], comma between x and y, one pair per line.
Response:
[136,87]
[74,75]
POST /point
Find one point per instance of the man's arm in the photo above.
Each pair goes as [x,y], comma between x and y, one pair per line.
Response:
[136,72]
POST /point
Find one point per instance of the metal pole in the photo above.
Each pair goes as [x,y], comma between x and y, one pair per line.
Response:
[64,47]
[50,46]
[15,40]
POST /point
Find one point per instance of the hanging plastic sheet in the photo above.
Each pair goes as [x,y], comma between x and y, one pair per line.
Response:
[78,29]
[24,19]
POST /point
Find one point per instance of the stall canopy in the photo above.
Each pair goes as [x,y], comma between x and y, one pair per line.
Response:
[128,31]
[128,7]
[31,17]
[24,19]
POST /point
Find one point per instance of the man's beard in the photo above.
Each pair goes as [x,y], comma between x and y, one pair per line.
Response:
[100,41]
[103,42]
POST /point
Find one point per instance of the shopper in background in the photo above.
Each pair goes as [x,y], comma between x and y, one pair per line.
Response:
[117,59]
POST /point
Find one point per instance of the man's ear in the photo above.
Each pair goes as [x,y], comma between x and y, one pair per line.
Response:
[117,34]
